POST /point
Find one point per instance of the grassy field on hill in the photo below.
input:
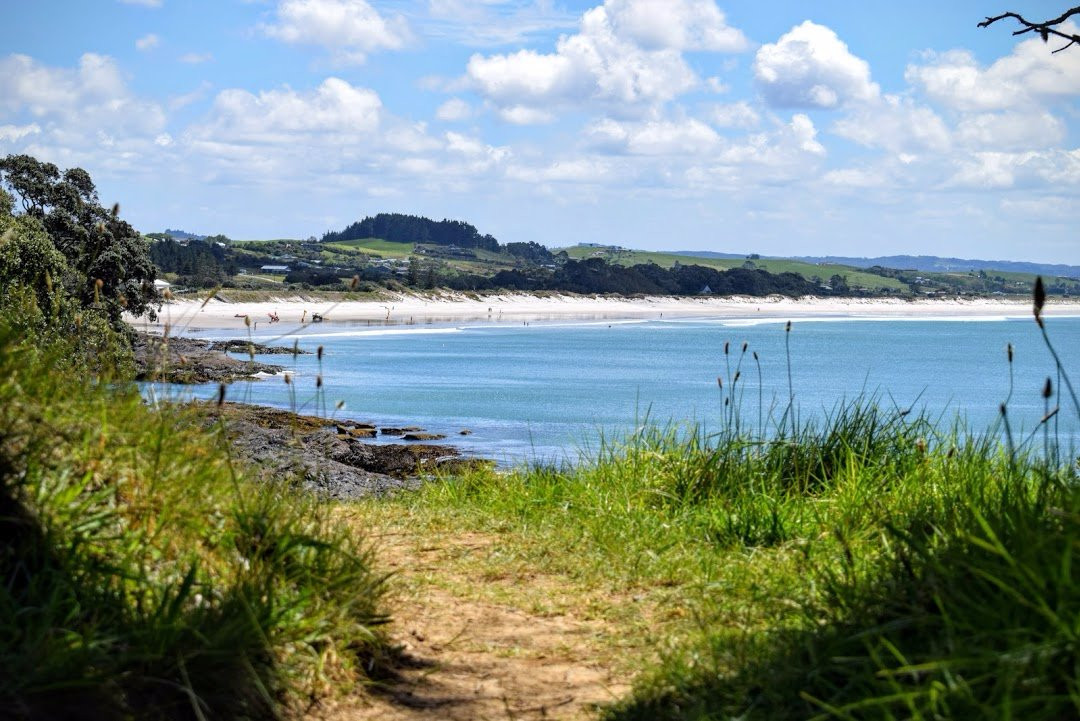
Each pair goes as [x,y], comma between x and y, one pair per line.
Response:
[375,246]
[855,278]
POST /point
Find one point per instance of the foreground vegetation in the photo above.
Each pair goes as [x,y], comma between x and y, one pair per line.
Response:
[141,574]
[869,566]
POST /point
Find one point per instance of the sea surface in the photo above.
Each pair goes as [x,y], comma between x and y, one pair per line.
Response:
[548,392]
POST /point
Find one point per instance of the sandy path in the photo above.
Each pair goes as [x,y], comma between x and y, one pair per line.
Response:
[477,659]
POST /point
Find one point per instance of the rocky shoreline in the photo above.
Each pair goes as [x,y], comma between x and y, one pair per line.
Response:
[329,457]
[325,456]
[188,360]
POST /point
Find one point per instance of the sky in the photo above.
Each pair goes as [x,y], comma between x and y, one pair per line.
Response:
[780,128]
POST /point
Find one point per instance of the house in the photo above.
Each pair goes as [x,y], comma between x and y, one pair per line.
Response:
[274,269]
[705,290]
[160,284]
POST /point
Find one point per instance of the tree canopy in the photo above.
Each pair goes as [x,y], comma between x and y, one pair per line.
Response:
[108,264]
[402,228]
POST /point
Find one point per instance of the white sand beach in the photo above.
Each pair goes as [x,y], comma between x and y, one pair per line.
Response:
[181,315]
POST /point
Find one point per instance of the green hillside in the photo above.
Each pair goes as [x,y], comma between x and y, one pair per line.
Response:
[855,277]
[375,246]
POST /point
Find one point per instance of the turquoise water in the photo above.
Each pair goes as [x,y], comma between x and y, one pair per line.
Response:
[548,391]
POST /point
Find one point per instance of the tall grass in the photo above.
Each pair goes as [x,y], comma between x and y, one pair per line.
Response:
[871,564]
[141,575]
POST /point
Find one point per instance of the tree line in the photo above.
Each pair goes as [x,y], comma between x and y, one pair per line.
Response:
[596,275]
[401,228]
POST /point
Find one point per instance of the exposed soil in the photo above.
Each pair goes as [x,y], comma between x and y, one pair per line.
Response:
[471,659]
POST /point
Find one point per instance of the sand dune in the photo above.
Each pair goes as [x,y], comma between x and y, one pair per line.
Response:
[519,308]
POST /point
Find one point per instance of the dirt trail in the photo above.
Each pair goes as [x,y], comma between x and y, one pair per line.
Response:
[476,659]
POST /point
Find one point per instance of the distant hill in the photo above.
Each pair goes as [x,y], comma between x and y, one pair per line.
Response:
[928,263]
[182,235]
[401,228]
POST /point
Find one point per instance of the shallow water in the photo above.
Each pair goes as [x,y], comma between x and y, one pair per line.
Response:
[547,391]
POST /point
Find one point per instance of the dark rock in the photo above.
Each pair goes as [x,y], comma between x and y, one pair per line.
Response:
[464,432]
[326,456]
[423,437]
[246,346]
[400,431]
[187,360]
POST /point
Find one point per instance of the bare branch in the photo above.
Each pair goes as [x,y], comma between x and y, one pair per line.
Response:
[1045,29]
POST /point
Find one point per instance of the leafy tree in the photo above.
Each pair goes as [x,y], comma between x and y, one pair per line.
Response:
[30,267]
[414,271]
[108,262]
[402,228]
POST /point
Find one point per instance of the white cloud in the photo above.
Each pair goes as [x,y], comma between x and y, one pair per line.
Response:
[454,110]
[1013,130]
[176,102]
[1001,170]
[717,85]
[1029,73]
[575,170]
[617,61]
[147,42]
[196,58]
[79,100]
[810,67]
[12,133]
[734,115]
[83,115]
[351,29]
[675,25]
[854,178]
[895,124]
[24,83]
[494,22]
[277,116]
[659,137]
[524,115]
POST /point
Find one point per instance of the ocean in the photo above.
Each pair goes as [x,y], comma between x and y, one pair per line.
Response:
[551,391]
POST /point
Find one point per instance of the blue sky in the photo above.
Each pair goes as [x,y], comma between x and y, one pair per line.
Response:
[778,128]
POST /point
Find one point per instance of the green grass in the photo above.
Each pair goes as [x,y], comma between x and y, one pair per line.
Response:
[376,246]
[143,576]
[867,566]
[855,277]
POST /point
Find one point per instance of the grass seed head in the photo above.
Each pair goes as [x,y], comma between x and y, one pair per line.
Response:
[1040,299]
[1048,389]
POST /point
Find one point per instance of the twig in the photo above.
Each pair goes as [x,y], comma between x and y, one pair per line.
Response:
[1045,29]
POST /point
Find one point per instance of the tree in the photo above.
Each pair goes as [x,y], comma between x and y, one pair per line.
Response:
[108,262]
[414,271]
[29,263]
[1045,29]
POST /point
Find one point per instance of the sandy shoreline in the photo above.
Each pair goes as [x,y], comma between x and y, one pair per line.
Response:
[518,308]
